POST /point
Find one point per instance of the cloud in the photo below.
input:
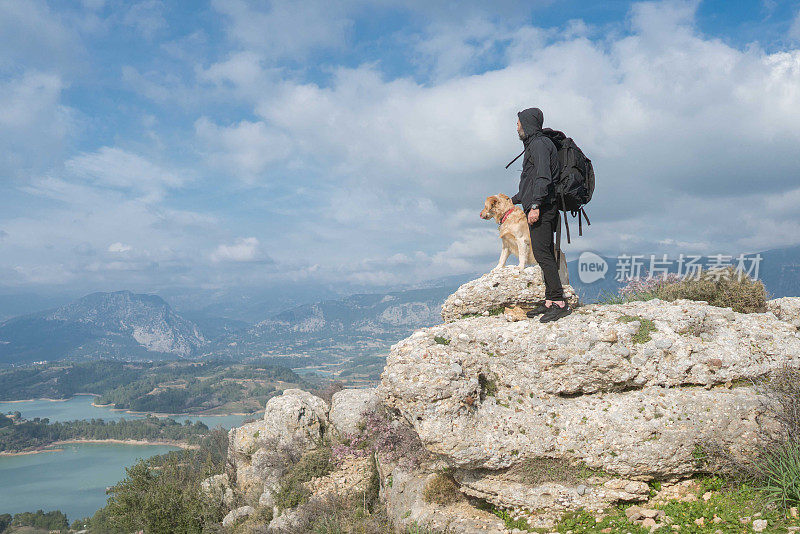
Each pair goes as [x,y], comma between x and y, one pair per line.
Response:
[119,247]
[285,29]
[371,134]
[115,168]
[146,17]
[794,29]
[31,34]
[244,249]
[245,151]
[34,124]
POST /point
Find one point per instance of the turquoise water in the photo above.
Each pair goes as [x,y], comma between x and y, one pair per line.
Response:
[80,407]
[72,480]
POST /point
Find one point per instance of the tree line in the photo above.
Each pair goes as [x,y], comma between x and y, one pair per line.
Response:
[167,387]
[23,435]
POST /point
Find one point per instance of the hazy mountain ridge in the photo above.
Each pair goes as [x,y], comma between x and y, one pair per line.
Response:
[125,325]
[119,324]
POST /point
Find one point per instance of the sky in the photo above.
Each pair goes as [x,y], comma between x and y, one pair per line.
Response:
[229,143]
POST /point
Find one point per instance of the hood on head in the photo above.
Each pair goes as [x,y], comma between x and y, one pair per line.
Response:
[531,120]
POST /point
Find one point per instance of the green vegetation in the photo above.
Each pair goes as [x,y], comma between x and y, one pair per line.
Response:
[47,521]
[497,310]
[729,510]
[164,387]
[163,494]
[27,435]
[646,327]
[292,491]
[726,289]
[441,340]
[510,522]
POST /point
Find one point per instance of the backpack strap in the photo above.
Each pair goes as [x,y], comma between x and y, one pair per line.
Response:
[586,217]
[515,159]
[566,222]
[558,240]
[580,224]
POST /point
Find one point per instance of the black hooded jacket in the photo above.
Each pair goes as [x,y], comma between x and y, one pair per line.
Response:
[540,164]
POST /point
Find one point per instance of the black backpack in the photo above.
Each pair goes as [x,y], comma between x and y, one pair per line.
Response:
[575,182]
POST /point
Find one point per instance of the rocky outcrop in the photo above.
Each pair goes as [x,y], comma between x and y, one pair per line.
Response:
[296,419]
[786,309]
[236,515]
[614,387]
[347,407]
[499,288]
[533,419]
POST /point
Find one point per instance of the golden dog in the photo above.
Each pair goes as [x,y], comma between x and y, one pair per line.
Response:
[515,233]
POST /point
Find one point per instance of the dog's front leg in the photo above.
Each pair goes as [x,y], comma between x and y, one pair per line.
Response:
[522,247]
[503,257]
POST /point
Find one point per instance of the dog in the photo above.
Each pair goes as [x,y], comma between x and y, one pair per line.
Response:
[515,233]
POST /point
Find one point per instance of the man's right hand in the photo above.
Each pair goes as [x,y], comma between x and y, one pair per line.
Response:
[533,216]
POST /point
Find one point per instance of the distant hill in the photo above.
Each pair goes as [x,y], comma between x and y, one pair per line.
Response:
[351,326]
[121,325]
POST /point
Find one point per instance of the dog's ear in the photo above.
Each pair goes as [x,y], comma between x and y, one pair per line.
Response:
[504,197]
[491,201]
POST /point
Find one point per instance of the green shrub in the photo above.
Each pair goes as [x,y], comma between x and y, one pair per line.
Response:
[781,469]
[441,340]
[292,491]
[162,495]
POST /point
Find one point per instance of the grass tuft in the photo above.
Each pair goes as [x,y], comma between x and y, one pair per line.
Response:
[646,327]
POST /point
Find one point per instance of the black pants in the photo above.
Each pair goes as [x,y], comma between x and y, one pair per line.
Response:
[544,250]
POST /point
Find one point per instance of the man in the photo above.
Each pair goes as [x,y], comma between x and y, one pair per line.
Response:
[537,194]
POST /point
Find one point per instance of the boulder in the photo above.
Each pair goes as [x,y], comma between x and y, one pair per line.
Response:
[296,417]
[237,515]
[612,386]
[499,288]
[786,309]
[294,421]
[348,407]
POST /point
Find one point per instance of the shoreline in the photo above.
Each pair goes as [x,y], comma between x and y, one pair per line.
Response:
[53,447]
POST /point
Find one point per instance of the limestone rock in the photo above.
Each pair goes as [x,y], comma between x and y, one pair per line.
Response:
[236,515]
[295,420]
[550,499]
[498,288]
[485,393]
[295,417]
[786,309]
[348,407]
[217,488]
[407,508]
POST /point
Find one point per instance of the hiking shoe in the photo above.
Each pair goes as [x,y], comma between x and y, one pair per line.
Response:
[554,313]
[539,309]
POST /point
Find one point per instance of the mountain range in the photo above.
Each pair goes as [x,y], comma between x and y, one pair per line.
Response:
[121,324]
[130,326]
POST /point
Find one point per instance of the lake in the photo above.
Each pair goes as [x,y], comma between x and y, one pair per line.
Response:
[80,407]
[72,480]
[75,478]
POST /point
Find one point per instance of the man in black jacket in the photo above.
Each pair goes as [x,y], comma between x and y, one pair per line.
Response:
[537,194]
